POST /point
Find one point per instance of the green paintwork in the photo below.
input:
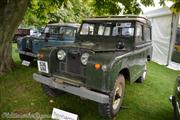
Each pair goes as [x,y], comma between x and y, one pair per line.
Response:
[176,100]
[102,50]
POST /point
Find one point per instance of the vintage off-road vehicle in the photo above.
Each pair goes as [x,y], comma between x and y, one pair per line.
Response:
[175,99]
[107,51]
[53,35]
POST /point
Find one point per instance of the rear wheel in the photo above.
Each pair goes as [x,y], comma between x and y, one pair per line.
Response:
[116,97]
[53,92]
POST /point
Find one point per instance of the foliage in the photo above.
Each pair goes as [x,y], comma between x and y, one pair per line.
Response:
[75,10]
[104,7]
[51,11]
[175,8]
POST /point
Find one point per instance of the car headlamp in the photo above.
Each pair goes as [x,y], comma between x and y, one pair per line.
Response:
[84,58]
[61,54]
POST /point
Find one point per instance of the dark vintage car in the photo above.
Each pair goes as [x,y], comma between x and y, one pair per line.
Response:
[107,51]
[21,32]
[175,99]
[52,35]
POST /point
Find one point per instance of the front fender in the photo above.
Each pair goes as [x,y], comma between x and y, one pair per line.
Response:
[97,79]
[116,66]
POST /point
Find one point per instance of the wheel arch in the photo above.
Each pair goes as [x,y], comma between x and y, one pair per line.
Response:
[125,72]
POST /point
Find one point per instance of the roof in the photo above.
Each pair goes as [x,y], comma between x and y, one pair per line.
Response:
[117,18]
[65,24]
[158,12]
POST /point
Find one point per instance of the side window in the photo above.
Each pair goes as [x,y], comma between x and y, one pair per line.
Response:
[62,30]
[139,33]
[101,30]
[69,32]
[147,33]
[107,31]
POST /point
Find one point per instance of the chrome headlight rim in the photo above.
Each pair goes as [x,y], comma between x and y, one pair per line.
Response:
[61,54]
[84,58]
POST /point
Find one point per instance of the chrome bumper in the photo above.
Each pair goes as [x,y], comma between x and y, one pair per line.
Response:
[79,91]
[27,53]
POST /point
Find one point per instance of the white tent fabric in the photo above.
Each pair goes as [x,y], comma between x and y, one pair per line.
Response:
[174,66]
[161,38]
[164,25]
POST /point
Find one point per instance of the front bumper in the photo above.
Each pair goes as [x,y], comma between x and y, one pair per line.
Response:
[27,53]
[79,91]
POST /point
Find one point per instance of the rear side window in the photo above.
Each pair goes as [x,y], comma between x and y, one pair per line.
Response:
[139,33]
[147,33]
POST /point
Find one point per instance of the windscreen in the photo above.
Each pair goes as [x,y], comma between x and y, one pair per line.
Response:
[62,31]
[108,29]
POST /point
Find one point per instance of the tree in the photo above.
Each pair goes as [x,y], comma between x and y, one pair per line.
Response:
[175,8]
[11,14]
[62,11]
[105,7]
[44,11]
[40,12]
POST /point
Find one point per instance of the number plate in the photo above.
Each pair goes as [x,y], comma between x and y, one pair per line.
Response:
[43,66]
[25,63]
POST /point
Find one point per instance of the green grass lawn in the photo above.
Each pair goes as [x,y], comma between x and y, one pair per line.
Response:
[20,94]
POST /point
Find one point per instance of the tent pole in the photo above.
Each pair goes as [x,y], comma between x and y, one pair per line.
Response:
[173,36]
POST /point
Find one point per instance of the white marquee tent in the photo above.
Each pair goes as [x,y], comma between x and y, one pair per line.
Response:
[164,26]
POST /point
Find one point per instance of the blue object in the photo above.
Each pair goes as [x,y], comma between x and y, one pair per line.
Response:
[53,35]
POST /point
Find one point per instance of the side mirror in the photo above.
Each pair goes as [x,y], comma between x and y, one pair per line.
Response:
[120,45]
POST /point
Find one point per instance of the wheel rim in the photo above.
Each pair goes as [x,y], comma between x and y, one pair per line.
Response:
[117,97]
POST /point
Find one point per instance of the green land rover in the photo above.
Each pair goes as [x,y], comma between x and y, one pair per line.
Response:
[108,51]
[175,99]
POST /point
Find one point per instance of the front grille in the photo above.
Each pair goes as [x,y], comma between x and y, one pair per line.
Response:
[74,63]
[29,44]
[62,66]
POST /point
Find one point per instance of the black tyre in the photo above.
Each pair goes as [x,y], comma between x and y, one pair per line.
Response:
[143,76]
[25,57]
[52,91]
[116,97]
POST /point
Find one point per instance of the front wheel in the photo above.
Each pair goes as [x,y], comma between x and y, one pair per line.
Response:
[115,99]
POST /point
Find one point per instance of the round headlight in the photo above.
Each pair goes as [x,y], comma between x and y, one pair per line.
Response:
[61,54]
[84,58]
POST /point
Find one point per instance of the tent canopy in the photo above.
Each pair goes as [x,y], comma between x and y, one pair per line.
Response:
[164,25]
